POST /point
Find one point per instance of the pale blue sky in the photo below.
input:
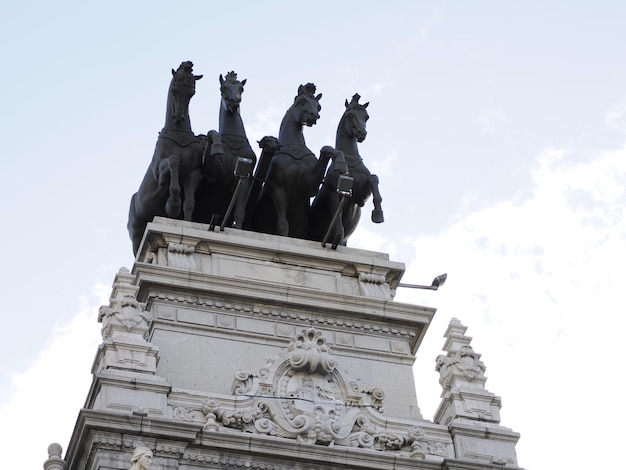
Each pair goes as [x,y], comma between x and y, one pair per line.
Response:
[497,128]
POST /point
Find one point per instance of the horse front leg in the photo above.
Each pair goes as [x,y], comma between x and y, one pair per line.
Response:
[191,186]
[279,199]
[336,230]
[211,158]
[338,158]
[172,206]
[377,213]
[240,204]
[215,142]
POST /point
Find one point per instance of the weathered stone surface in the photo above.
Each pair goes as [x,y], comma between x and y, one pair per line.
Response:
[235,349]
[470,411]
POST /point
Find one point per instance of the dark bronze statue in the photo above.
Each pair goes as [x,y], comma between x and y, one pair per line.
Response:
[351,129]
[176,168]
[198,177]
[219,182]
[294,174]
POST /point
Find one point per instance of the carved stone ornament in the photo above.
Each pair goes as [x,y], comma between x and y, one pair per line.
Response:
[460,366]
[124,315]
[302,395]
[141,459]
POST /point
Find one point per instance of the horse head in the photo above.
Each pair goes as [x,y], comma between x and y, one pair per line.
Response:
[231,90]
[182,88]
[306,105]
[355,119]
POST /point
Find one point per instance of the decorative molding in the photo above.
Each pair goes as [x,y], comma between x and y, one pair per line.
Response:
[181,256]
[303,395]
[375,286]
[317,319]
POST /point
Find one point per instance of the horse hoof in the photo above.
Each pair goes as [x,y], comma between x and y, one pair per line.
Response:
[172,209]
[217,149]
[377,216]
[340,167]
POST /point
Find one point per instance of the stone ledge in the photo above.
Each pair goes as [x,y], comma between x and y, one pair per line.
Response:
[251,256]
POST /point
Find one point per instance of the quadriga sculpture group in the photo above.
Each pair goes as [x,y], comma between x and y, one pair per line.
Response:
[197,178]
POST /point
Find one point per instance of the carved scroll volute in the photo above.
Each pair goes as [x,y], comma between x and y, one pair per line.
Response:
[309,351]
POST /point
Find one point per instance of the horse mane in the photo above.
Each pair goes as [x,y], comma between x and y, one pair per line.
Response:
[184,75]
[231,77]
[307,91]
[354,103]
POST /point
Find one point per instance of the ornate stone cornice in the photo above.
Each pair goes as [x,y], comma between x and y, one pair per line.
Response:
[279,313]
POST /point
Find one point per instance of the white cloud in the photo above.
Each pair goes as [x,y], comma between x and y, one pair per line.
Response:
[365,239]
[615,118]
[376,88]
[384,166]
[428,24]
[265,123]
[538,282]
[491,120]
[48,396]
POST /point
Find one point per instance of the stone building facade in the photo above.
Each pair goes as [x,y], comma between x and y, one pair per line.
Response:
[232,349]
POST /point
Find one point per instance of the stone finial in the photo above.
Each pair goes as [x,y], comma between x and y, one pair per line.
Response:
[471,412]
[462,365]
[462,379]
[54,461]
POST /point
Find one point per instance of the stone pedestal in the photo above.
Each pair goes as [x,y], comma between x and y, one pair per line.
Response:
[236,349]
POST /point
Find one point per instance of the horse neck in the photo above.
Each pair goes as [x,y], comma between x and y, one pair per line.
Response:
[344,142]
[290,129]
[231,123]
[170,124]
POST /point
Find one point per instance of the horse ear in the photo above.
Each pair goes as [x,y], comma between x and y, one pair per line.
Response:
[318,97]
[197,77]
[347,103]
[221,79]
[243,82]
[173,73]
[366,104]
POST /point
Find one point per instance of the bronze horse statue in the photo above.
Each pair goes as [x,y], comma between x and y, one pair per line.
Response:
[176,168]
[227,145]
[350,131]
[294,174]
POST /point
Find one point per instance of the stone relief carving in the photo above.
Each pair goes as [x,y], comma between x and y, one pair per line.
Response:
[462,378]
[463,363]
[141,459]
[124,314]
[303,395]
